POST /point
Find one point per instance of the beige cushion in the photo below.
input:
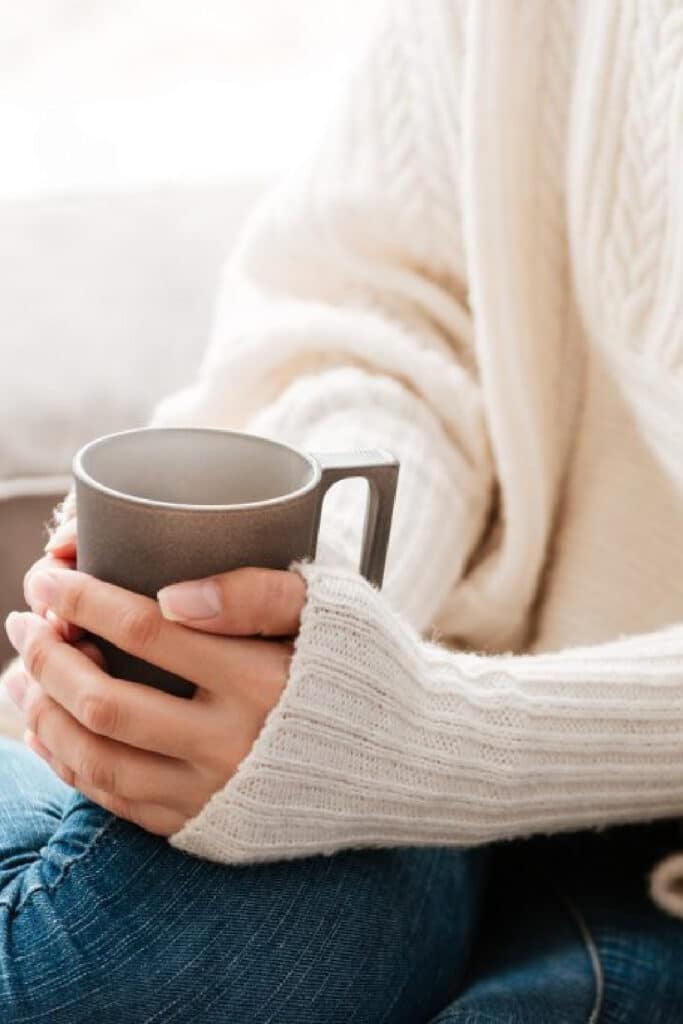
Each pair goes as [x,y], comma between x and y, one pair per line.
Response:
[105,306]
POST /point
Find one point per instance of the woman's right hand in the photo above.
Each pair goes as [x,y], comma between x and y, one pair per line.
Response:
[60,552]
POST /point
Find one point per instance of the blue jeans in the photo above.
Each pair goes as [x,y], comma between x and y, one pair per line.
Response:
[102,922]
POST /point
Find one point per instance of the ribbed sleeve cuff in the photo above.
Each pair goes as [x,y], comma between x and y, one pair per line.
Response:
[316,779]
[381,739]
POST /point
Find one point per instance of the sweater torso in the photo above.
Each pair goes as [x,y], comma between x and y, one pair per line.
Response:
[581,358]
[615,562]
[480,271]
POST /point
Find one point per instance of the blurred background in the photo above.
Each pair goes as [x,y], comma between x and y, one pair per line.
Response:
[120,92]
[136,136]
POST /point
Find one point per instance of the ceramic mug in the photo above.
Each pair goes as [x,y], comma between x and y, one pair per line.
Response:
[158,505]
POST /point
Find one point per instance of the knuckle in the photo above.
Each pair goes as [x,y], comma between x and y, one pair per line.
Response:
[140,629]
[98,713]
[36,653]
[216,768]
[95,772]
[138,816]
[65,773]
[47,562]
[272,597]
[119,806]
[36,713]
[72,601]
[200,747]
[283,662]
[162,826]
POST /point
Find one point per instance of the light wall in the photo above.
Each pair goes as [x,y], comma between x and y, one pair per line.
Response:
[106,94]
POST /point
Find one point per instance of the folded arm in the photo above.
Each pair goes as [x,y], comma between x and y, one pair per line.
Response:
[381,738]
[342,321]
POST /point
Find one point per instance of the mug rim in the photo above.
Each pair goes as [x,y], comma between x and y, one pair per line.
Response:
[80,473]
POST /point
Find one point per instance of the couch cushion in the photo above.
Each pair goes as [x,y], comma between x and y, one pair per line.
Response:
[105,306]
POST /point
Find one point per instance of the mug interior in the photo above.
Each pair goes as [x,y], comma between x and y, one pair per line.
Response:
[194,466]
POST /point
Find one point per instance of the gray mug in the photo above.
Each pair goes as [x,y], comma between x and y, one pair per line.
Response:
[159,505]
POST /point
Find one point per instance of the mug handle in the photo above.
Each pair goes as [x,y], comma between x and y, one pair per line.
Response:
[380,469]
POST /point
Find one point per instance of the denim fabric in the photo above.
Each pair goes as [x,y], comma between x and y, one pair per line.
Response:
[569,934]
[102,922]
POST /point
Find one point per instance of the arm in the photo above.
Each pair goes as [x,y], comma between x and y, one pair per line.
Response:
[342,321]
[382,739]
[363,735]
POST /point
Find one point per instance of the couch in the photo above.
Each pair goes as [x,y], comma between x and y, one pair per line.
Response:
[105,306]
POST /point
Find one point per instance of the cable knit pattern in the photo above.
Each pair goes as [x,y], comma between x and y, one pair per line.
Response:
[633,245]
[342,321]
[478,268]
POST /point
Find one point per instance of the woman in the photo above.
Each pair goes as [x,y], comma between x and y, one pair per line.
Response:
[480,270]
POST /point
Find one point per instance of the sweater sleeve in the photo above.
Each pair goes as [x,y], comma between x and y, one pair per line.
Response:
[383,739]
[342,320]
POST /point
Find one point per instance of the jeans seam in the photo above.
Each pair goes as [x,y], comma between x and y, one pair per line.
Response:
[593,955]
[15,910]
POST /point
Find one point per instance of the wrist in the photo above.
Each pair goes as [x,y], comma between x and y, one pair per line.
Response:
[323,774]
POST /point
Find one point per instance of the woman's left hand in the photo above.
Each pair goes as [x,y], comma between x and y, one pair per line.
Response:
[143,754]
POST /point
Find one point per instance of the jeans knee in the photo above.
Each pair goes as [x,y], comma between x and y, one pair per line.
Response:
[367,934]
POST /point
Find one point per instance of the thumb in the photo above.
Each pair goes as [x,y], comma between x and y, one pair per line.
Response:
[244,602]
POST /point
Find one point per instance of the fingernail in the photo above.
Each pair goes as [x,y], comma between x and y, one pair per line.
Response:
[16,688]
[15,627]
[183,601]
[64,534]
[41,586]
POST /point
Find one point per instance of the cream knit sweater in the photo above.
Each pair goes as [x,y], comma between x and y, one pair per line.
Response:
[480,268]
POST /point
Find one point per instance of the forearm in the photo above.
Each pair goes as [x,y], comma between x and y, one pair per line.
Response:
[381,739]
[342,318]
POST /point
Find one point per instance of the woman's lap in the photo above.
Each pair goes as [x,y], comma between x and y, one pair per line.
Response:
[100,921]
[568,933]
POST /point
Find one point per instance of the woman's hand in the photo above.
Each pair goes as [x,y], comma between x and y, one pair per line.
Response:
[143,754]
[60,552]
